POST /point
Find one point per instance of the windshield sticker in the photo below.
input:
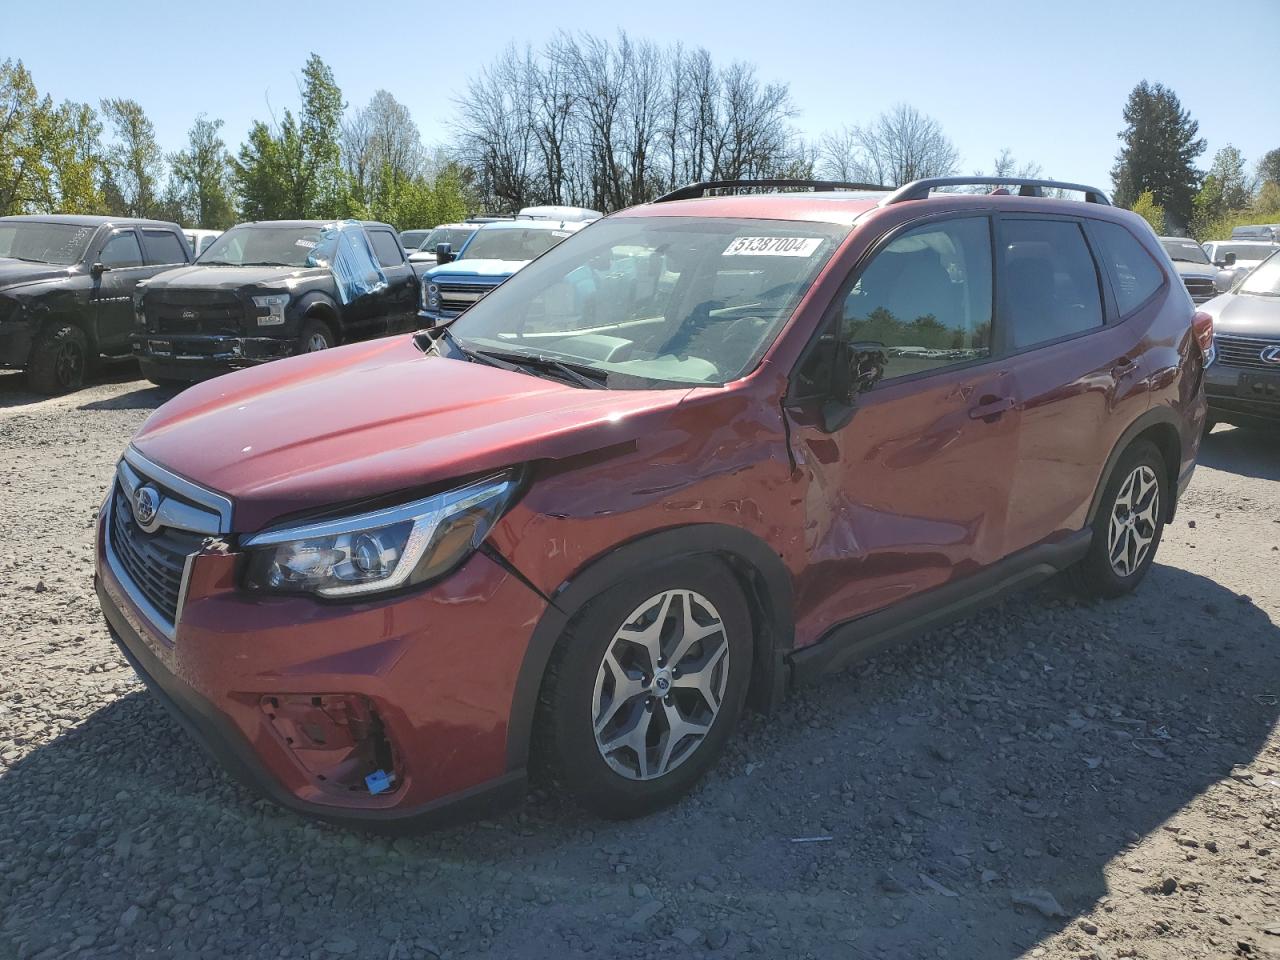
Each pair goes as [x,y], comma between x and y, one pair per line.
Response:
[561,233]
[773,247]
[309,244]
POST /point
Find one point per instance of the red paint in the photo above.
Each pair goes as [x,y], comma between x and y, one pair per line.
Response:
[915,492]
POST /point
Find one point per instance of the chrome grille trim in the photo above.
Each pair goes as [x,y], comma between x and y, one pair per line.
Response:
[1237,351]
[215,502]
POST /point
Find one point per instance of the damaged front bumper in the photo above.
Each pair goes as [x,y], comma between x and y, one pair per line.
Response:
[198,356]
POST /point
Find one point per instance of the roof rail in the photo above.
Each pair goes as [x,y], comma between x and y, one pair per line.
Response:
[695,190]
[920,189]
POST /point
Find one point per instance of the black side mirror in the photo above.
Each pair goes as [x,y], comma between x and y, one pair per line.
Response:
[859,366]
[1229,260]
[98,269]
[444,253]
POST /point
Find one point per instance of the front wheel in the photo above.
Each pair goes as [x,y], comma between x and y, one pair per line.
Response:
[59,359]
[1128,525]
[315,336]
[646,687]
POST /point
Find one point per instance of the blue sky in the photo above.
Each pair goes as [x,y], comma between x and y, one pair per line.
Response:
[1046,80]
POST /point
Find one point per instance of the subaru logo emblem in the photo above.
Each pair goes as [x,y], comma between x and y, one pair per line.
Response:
[1270,354]
[189,314]
[146,507]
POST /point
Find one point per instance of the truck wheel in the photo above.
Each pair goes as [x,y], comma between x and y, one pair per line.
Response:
[315,335]
[1128,527]
[59,358]
[645,688]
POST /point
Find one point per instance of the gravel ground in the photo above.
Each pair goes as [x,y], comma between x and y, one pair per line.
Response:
[1043,779]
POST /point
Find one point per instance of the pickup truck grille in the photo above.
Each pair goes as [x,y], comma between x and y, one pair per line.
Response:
[1245,351]
[153,562]
[193,312]
[456,297]
[1200,288]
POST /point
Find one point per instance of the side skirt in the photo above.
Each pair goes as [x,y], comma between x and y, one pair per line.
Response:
[858,639]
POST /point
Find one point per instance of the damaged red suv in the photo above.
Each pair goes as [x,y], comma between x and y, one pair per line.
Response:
[704,449]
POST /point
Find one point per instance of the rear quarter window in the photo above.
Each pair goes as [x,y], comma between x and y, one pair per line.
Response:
[1135,276]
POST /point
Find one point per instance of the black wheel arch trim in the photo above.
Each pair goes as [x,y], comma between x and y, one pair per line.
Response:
[759,570]
[1154,417]
[320,306]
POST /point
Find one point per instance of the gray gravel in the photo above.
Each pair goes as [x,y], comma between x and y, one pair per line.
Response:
[1042,779]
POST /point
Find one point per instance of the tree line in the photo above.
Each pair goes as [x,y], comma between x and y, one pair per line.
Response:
[582,120]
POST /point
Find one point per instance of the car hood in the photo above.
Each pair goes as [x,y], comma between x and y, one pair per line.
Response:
[376,418]
[1244,314]
[14,273]
[476,268]
[197,277]
[1186,269]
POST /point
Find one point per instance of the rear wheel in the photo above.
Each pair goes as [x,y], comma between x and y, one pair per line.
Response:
[315,336]
[59,359]
[1128,525]
[646,687]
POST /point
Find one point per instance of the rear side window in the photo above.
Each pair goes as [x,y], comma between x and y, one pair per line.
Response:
[122,250]
[387,248]
[926,297]
[1134,274]
[1050,281]
[163,247]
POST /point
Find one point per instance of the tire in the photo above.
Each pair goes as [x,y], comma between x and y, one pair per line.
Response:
[315,336]
[580,690]
[1128,526]
[59,360]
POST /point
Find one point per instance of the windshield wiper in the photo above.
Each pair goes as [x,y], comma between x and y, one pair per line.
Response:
[25,259]
[580,373]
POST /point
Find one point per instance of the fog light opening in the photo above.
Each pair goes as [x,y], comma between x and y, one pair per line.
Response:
[338,739]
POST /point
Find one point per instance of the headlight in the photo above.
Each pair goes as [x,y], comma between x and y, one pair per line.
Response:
[430,296]
[383,550]
[274,305]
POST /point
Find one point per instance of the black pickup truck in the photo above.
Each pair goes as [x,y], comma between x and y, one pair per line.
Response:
[66,290]
[273,289]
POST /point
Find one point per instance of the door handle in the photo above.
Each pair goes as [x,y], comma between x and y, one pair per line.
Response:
[1124,366]
[990,408]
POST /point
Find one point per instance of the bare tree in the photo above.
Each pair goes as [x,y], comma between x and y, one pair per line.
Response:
[495,132]
[897,147]
[381,140]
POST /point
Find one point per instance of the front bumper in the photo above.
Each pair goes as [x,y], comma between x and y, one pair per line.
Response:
[1232,401]
[199,356]
[15,342]
[438,665]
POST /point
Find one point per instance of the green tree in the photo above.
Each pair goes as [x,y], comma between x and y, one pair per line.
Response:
[1158,154]
[295,170]
[74,152]
[135,164]
[202,176]
[1269,167]
[1150,210]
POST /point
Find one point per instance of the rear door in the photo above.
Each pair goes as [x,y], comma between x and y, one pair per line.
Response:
[397,305]
[911,493]
[1080,371]
[124,264]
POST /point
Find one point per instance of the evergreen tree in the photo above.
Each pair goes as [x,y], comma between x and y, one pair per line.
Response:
[1158,153]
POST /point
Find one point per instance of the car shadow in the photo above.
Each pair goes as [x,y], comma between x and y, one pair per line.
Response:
[1247,451]
[1026,747]
[14,392]
[144,398]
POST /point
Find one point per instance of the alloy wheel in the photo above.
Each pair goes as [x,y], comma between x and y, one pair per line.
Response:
[69,364]
[660,685]
[316,342]
[1133,521]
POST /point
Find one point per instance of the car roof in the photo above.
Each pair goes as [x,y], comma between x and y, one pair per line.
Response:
[87,220]
[311,223]
[532,224]
[1247,241]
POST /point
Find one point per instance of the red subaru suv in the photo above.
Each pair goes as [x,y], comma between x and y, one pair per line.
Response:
[706,448]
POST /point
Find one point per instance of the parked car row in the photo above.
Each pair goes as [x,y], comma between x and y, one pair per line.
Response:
[710,447]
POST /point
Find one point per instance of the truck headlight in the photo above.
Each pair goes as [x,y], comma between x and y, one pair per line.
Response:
[430,295]
[380,551]
[274,306]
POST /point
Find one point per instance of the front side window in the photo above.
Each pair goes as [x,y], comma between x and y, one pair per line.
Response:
[386,248]
[926,297]
[36,242]
[512,243]
[1050,281]
[669,299]
[122,250]
[1134,274]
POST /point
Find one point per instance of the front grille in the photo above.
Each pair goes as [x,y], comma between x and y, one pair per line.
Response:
[1245,351]
[456,297]
[153,562]
[1200,288]
[194,311]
